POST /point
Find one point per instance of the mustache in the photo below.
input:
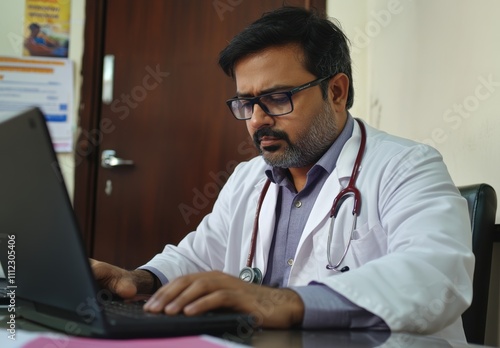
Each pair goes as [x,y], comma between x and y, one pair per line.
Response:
[263,132]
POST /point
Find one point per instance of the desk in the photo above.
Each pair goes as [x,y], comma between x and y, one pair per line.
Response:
[27,331]
[354,338]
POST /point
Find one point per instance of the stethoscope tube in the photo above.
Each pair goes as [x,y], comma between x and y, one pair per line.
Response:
[348,191]
[252,274]
[256,223]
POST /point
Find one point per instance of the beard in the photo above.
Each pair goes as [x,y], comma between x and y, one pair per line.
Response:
[312,143]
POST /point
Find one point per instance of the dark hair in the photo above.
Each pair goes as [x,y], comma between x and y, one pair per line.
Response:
[325,46]
[34,26]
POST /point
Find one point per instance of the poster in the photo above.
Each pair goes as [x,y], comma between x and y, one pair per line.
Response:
[47,27]
[43,82]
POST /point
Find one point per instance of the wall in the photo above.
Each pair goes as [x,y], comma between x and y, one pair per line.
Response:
[428,71]
[11,44]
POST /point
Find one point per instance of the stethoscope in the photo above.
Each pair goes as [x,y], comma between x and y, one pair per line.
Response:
[254,275]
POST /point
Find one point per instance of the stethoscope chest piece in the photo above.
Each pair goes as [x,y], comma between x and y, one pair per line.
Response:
[251,275]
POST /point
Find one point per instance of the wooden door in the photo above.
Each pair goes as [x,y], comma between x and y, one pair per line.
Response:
[166,114]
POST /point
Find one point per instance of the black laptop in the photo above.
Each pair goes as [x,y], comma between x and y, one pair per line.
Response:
[54,283]
[4,299]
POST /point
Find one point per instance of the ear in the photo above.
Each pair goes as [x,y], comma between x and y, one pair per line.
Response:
[338,89]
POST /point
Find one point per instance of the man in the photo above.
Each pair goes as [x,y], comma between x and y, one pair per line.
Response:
[405,264]
[38,44]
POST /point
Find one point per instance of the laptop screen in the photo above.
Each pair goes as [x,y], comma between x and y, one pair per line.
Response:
[51,267]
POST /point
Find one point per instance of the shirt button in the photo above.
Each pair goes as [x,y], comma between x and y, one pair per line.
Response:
[298,204]
[290,262]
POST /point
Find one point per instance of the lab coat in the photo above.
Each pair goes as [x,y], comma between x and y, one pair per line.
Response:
[410,259]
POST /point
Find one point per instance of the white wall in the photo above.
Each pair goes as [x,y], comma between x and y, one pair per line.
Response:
[429,71]
[11,44]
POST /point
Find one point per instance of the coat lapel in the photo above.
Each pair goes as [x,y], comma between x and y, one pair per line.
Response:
[335,182]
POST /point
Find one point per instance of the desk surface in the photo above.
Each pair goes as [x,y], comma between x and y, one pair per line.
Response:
[27,331]
[354,338]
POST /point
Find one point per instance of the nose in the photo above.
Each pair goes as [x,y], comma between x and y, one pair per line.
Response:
[260,118]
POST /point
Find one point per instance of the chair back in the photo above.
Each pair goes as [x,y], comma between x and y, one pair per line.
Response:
[482,202]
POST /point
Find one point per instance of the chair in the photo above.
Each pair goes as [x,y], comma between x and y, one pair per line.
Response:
[482,202]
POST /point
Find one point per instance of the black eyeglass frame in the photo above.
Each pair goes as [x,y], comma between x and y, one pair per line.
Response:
[256,100]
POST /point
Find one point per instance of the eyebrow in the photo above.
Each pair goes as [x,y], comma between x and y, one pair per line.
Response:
[278,88]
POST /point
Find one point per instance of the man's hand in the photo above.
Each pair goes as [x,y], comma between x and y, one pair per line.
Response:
[197,293]
[125,284]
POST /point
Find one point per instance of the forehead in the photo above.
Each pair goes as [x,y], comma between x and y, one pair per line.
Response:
[274,66]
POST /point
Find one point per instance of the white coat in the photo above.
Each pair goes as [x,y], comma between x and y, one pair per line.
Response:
[410,259]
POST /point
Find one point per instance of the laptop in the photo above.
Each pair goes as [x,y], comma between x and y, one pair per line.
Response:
[4,299]
[54,284]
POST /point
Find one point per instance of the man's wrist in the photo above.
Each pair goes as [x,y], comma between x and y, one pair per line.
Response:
[296,306]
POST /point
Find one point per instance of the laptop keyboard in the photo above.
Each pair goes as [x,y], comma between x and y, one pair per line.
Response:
[133,309]
[127,309]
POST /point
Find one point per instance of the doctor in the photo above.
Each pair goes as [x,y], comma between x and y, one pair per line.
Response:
[392,251]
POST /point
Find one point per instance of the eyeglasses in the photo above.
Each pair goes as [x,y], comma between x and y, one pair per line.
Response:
[273,104]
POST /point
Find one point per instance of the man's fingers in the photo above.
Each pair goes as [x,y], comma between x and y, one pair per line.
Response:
[125,288]
[214,300]
[189,296]
[115,279]
[99,269]
[163,296]
[194,294]
[173,297]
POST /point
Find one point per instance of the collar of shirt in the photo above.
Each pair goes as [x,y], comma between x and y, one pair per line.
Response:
[325,164]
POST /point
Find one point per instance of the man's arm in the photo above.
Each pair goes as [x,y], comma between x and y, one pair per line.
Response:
[197,293]
[429,261]
[325,308]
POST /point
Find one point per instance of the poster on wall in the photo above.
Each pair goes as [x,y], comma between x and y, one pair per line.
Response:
[43,82]
[46,28]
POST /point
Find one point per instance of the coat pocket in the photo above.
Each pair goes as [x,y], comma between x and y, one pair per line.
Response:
[368,243]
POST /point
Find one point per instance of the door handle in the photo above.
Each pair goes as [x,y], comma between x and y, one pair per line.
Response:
[109,160]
